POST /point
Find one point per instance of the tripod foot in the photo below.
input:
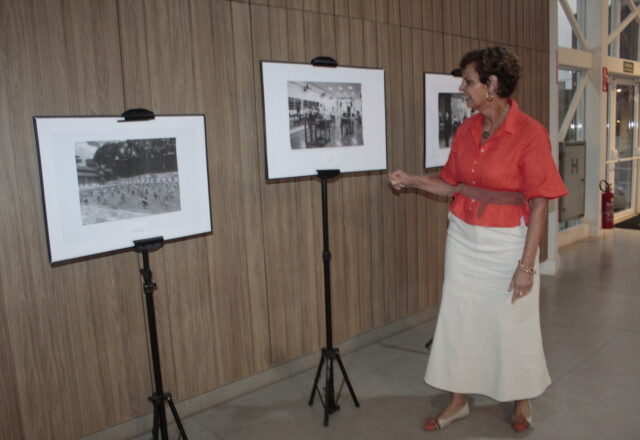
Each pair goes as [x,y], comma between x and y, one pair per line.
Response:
[329,402]
[160,416]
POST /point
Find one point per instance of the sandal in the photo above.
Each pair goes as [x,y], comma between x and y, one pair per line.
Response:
[522,423]
[439,423]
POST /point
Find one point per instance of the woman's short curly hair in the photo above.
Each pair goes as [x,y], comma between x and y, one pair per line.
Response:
[496,61]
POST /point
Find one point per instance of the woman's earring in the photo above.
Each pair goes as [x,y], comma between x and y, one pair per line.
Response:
[490,95]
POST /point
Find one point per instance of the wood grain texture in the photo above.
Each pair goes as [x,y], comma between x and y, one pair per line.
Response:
[250,295]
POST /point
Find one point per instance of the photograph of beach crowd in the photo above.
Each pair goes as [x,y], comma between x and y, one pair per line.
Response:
[125,179]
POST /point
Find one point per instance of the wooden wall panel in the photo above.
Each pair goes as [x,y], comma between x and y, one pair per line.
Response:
[252,178]
[250,295]
[397,297]
[376,186]
[313,48]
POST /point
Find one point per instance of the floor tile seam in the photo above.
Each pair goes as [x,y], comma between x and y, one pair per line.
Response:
[608,383]
[620,293]
[217,435]
[568,272]
[399,348]
[617,328]
[587,358]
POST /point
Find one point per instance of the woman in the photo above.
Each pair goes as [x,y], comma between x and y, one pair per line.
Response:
[501,174]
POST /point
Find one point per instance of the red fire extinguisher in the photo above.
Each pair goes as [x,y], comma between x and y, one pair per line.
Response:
[607,205]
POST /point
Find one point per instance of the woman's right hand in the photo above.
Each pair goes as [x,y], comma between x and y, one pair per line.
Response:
[399,179]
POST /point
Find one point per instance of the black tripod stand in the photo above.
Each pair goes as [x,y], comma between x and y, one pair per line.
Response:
[159,396]
[329,353]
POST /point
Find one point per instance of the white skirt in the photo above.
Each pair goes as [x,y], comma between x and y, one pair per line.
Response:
[483,344]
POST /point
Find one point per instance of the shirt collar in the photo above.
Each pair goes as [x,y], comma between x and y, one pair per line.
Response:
[508,126]
[510,122]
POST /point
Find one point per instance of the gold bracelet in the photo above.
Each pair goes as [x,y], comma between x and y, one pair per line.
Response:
[528,269]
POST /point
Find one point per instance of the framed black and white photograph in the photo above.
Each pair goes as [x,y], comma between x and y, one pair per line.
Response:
[445,110]
[106,182]
[323,118]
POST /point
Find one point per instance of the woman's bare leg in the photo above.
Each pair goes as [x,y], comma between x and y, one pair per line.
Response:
[522,408]
[457,402]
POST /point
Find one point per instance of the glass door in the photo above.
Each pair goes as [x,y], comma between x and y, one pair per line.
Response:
[622,151]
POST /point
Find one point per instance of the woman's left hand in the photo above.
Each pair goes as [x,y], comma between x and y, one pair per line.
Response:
[521,284]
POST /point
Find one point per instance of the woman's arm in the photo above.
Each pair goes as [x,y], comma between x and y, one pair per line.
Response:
[400,180]
[522,281]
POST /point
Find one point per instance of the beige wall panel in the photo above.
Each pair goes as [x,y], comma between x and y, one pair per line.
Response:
[313,48]
[416,6]
[438,17]
[457,53]
[526,23]
[341,8]
[436,57]
[427,14]
[369,10]
[48,307]
[455,17]
[424,240]
[544,67]
[9,396]
[224,304]
[308,227]
[388,198]
[312,5]
[253,177]
[415,139]
[521,36]
[449,57]
[337,190]
[474,19]
[382,11]
[410,12]
[394,11]
[356,8]
[446,8]
[398,296]
[278,3]
[505,8]
[14,59]
[356,206]
[410,164]
[136,74]
[377,185]
[279,214]
[327,6]
[405,12]
[513,22]
[464,17]
[167,34]
[543,33]
[294,4]
[482,19]
[492,21]
[132,17]
[328,36]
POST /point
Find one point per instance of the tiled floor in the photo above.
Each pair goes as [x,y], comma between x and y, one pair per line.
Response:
[591,328]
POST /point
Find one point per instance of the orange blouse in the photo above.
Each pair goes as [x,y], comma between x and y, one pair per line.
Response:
[516,158]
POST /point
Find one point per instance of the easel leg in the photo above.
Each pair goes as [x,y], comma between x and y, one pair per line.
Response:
[176,417]
[315,381]
[346,379]
[159,417]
